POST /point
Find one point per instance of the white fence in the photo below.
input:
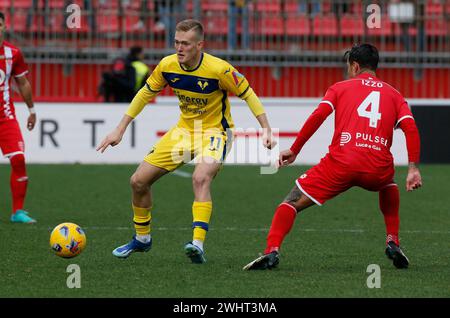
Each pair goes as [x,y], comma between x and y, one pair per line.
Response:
[69,133]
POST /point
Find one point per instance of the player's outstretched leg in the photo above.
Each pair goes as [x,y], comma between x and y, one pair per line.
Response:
[133,246]
[266,261]
[282,223]
[395,253]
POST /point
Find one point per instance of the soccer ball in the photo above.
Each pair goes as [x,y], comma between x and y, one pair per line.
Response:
[67,240]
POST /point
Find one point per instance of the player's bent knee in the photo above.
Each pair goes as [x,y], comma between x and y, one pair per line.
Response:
[138,185]
[18,165]
[199,180]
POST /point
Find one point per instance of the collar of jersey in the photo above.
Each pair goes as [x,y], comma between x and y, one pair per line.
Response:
[194,69]
[366,75]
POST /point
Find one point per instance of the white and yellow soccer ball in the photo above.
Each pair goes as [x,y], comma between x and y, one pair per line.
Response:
[67,240]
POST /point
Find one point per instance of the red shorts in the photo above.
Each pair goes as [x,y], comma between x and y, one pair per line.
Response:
[11,141]
[328,179]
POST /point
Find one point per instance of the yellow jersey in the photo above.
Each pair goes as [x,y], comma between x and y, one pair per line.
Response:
[202,91]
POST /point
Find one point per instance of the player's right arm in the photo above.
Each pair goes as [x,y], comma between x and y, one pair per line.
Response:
[154,84]
[314,121]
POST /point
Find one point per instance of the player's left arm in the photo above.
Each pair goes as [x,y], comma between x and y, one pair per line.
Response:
[413,179]
[24,87]
[235,82]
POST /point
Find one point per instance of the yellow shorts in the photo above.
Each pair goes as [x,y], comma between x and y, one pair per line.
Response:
[179,146]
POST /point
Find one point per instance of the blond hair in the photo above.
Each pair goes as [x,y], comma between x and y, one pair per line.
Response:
[191,24]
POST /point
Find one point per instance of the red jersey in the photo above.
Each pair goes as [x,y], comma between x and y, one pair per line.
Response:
[366,112]
[12,64]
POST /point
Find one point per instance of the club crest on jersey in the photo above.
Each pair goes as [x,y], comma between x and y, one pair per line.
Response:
[202,84]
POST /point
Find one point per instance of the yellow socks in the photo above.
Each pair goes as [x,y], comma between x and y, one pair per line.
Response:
[142,219]
[201,212]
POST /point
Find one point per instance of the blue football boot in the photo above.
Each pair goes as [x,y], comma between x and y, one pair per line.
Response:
[194,253]
[21,216]
[134,246]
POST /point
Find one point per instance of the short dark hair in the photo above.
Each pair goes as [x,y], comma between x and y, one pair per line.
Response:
[366,55]
[2,16]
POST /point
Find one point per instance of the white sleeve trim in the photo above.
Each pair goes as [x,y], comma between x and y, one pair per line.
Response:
[404,117]
[327,102]
[21,74]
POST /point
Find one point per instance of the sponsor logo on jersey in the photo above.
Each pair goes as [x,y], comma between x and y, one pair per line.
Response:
[345,138]
[371,138]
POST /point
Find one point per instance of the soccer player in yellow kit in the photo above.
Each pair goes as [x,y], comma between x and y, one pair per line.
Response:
[201,82]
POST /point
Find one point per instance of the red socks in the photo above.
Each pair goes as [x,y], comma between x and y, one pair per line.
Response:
[389,200]
[281,225]
[18,181]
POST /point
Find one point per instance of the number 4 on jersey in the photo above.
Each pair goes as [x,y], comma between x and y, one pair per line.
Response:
[372,101]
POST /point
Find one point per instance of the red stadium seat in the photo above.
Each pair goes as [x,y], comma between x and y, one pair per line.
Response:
[385,27]
[298,24]
[133,23]
[271,26]
[214,5]
[434,8]
[57,24]
[18,22]
[291,6]
[436,27]
[58,4]
[107,23]
[268,6]
[216,24]
[21,4]
[325,25]
[352,25]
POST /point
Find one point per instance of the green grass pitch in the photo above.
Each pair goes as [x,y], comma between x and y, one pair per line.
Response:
[325,255]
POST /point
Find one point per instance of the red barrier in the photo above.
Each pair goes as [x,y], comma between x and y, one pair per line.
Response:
[79,83]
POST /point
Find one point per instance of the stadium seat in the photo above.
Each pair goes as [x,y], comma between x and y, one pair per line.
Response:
[298,24]
[352,25]
[271,26]
[107,23]
[216,24]
[21,4]
[58,4]
[385,27]
[291,6]
[325,25]
[18,22]
[132,22]
[211,5]
[272,6]
[436,27]
[434,8]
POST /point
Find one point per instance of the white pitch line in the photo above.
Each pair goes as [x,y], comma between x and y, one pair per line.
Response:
[182,174]
[236,229]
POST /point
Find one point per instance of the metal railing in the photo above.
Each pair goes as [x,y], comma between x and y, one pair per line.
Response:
[254,33]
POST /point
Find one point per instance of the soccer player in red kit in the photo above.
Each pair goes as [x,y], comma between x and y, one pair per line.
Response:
[12,65]
[367,110]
